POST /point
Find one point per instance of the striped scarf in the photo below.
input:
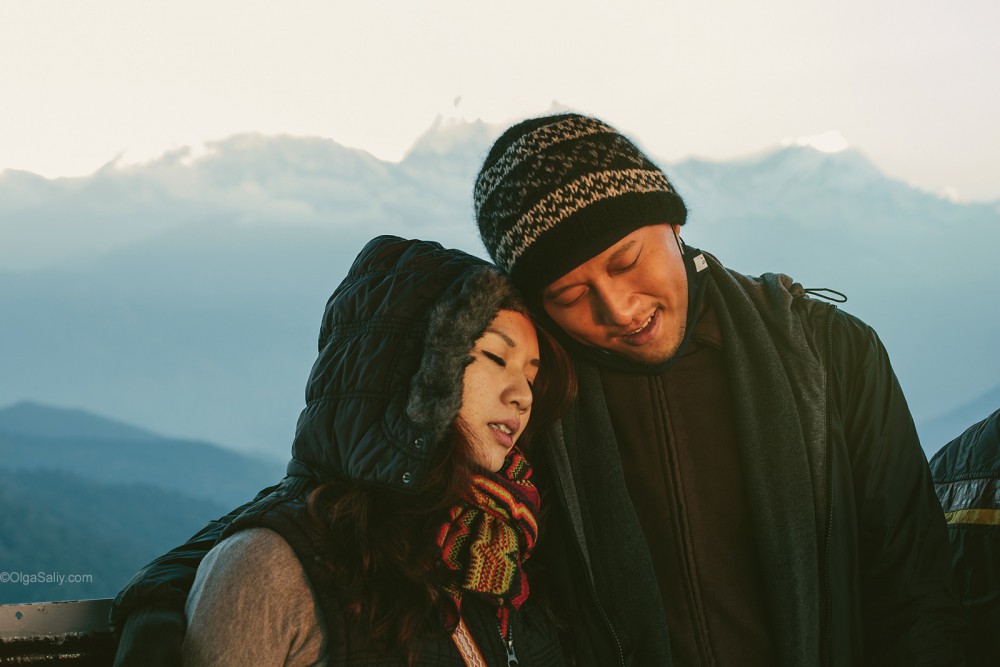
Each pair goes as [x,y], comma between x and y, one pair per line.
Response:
[489,535]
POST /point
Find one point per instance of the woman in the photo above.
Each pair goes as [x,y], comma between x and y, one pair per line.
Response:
[401,533]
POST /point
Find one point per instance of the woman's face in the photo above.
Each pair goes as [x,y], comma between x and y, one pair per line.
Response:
[496,390]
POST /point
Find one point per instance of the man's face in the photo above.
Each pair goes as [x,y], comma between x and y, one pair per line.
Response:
[631,299]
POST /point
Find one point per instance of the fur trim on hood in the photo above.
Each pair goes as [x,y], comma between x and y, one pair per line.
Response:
[396,337]
[455,324]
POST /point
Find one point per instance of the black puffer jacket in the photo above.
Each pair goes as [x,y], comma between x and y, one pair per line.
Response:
[848,529]
[967,478]
[387,383]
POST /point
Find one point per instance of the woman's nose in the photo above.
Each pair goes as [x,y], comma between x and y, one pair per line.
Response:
[519,393]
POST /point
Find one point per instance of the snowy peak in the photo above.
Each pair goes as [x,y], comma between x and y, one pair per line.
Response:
[831,141]
[453,136]
[814,188]
[791,163]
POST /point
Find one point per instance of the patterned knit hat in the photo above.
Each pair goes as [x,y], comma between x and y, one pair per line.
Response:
[555,191]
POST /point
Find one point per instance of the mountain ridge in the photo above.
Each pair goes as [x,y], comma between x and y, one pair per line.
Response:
[285,178]
[34,436]
[200,318]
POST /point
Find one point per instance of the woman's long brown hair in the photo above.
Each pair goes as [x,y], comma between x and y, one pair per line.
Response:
[384,554]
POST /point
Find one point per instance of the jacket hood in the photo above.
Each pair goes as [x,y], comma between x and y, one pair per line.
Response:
[393,345]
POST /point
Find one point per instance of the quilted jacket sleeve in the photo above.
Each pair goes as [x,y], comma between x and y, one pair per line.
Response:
[966,473]
[911,615]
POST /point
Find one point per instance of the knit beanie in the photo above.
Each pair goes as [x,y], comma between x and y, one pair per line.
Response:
[556,191]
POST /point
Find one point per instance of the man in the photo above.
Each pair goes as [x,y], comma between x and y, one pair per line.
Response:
[966,475]
[739,481]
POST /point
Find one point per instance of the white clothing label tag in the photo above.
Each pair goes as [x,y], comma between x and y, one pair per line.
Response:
[700,263]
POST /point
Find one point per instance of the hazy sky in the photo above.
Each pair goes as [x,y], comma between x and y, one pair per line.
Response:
[914,84]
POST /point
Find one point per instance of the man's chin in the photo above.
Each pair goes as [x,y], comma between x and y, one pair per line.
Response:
[648,358]
[651,354]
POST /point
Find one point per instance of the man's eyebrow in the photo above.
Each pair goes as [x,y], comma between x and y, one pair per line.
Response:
[621,251]
[552,294]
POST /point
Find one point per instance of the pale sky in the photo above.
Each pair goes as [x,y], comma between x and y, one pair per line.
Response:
[913,84]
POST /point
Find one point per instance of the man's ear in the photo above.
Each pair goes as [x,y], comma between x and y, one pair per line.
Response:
[677,237]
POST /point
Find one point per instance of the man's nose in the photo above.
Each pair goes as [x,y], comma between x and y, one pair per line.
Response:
[612,308]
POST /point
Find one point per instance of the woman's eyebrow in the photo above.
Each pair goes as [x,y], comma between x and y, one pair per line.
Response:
[510,342]
[507,339]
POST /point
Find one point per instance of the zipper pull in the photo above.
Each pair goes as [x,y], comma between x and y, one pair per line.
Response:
[511,656]
[508,643]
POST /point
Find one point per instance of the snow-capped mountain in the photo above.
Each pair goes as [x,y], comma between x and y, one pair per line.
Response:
[184,294]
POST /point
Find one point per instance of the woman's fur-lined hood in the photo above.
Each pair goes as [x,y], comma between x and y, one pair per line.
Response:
[393,346]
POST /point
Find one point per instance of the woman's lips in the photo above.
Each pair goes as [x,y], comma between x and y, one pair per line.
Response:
[504,431]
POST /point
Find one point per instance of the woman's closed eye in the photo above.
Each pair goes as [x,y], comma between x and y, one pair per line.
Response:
[498,360]
[502,363]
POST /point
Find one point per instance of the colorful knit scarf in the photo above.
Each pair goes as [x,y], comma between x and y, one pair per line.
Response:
[490,534]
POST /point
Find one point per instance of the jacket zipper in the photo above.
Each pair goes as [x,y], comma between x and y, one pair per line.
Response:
[611,629]
[508,643]
[828,625]
[592,587]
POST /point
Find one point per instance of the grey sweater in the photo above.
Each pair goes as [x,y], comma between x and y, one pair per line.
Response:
[251,604]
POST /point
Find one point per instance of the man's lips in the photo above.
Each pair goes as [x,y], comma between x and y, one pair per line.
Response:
[644,332]
[642,326]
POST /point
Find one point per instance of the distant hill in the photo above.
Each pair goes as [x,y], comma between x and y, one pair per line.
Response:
[35,419]
[83,494]
[185,294]
[37,437]
[57,523]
